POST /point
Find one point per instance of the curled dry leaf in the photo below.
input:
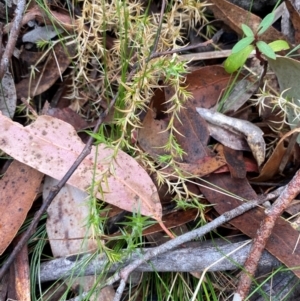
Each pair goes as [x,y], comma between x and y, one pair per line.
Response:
[252,133]
[230,139]
[51,146]
[271,167]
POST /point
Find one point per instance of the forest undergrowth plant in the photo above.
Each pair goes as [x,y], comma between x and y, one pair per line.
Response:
[114,41]
[134,29]
[252,41]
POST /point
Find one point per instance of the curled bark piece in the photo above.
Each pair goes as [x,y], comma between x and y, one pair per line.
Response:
[252,133]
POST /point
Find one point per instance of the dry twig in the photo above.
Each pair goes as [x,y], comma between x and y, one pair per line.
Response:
[286,197]
[14,33]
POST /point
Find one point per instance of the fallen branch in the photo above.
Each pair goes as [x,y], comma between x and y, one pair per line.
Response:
[286,197]
[194,258]
[13,36]
[195,234]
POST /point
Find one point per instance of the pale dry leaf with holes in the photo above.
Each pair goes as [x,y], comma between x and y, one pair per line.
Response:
[51,146]
[252,133]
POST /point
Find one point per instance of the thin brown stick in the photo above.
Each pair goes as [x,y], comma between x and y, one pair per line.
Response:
[124,273]
[14,33]
[286,197]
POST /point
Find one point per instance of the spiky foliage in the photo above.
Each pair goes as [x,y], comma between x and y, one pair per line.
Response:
[103,68]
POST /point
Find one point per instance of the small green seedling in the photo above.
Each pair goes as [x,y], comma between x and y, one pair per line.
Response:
[251,41]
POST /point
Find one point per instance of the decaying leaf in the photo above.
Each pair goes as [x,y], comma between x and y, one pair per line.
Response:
[200,168]
[272,165]
[153,135]
[240,93]
[252,133]
[19,187]
[206,85]
[235,162]
[51,146]
[49,71]
[20,275]
[230,139]
[67,232]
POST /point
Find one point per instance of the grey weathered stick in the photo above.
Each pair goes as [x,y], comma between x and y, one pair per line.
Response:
[13,36]
[193,258]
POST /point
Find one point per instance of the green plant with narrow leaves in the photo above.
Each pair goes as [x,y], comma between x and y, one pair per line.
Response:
[252,41]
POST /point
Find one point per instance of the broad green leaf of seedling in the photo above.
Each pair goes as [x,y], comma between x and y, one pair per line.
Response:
[266,49]
[236,60]
[247,30]
[243,43]
[279,45]
[265,23]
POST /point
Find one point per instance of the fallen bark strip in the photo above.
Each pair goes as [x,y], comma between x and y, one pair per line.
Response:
[194,258]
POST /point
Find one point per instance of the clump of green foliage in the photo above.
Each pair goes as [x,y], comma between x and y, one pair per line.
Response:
[250,42]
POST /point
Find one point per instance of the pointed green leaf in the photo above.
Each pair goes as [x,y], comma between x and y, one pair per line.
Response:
[265,23]
[279,45]
[243,43]
[266,49]
[236,60]
[247,30]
